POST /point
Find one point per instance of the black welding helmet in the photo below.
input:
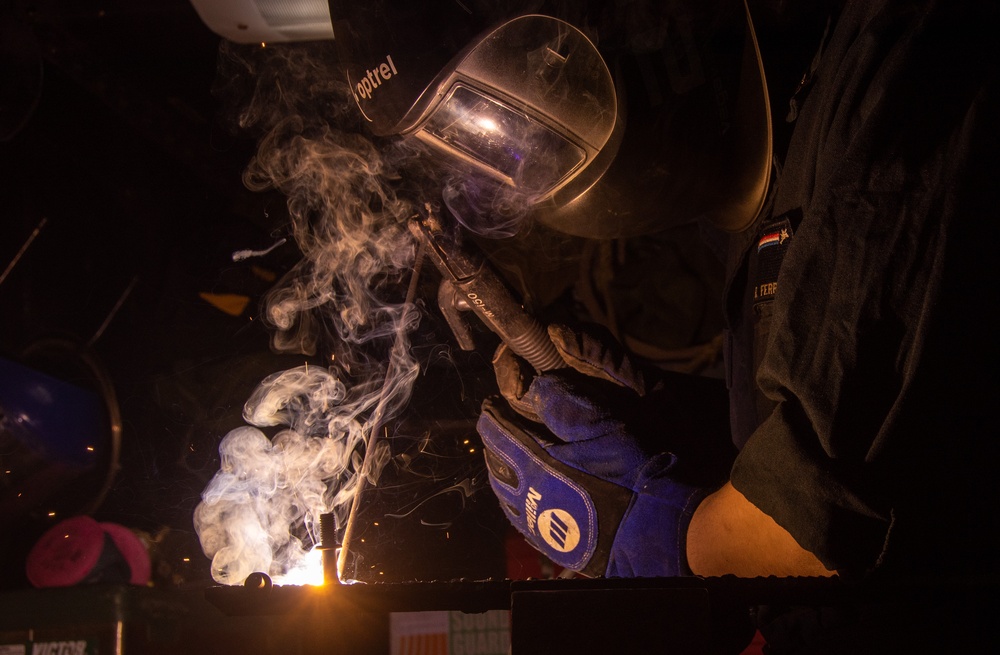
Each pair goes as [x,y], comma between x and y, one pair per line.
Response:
[609,118]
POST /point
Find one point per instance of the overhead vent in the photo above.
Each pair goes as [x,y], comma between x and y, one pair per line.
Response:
[257,21]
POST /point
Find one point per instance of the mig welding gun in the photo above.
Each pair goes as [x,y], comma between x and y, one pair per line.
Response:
[469,283]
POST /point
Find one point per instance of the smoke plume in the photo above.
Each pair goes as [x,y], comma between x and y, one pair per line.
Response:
[347,210]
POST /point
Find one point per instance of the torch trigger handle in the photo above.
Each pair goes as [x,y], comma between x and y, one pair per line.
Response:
[452,304]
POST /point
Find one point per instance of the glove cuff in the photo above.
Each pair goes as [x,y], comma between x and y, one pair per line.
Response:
[652,538]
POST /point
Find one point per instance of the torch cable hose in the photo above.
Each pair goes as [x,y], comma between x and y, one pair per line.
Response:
[535,346]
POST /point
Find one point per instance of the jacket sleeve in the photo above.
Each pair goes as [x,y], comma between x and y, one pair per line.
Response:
[878,449]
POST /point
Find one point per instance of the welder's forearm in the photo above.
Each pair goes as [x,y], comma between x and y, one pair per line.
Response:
[730,536]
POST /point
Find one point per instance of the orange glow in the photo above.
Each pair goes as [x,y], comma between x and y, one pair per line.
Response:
[308,572]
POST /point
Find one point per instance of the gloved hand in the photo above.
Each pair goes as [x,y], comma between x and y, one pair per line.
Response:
[577,469]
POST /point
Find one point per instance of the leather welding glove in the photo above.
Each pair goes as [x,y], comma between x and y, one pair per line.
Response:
[578,468]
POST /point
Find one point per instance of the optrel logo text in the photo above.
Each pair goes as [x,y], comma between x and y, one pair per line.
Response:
[374,77]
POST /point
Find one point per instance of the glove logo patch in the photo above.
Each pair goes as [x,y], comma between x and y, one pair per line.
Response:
[559,530]
[556,526]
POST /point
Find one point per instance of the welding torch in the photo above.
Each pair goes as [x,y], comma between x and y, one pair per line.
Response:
[469,283]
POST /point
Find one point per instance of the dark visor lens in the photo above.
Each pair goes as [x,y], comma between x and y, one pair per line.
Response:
[512,145]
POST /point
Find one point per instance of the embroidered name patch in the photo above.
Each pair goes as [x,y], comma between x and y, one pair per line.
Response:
[772,244]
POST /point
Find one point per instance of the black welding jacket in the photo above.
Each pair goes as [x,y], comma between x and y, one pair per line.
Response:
[861,361]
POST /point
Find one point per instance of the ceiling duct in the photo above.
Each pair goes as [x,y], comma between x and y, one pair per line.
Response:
[262,21]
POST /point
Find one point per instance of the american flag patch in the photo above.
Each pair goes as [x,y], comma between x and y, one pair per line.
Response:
[769,239]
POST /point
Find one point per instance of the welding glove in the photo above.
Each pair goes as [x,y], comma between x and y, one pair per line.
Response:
[579,467]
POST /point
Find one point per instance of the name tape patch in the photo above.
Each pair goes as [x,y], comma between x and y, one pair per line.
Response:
[772,244]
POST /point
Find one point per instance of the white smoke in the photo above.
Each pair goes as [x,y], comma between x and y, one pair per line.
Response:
[261,510]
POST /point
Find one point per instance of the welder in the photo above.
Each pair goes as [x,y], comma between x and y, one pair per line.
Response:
[858,362]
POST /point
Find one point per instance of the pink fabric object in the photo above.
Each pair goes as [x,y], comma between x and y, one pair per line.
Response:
[133,550]
[79,550]
[66,554]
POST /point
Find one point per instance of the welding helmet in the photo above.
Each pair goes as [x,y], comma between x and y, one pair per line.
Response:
[608,119]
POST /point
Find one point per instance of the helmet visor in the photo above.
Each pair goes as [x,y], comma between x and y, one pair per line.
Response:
[510,145]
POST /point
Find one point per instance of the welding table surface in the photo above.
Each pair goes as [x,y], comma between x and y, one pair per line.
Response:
[687,614]
[305,619]
[483,595]
[350,618]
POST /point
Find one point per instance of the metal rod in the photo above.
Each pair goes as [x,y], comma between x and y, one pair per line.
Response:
[375,426]
[114,312]
[24,248]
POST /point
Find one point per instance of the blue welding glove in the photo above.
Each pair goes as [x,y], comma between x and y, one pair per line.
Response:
[577,467]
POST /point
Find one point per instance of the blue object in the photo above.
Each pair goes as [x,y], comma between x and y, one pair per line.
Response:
[48,417]
[577,481]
